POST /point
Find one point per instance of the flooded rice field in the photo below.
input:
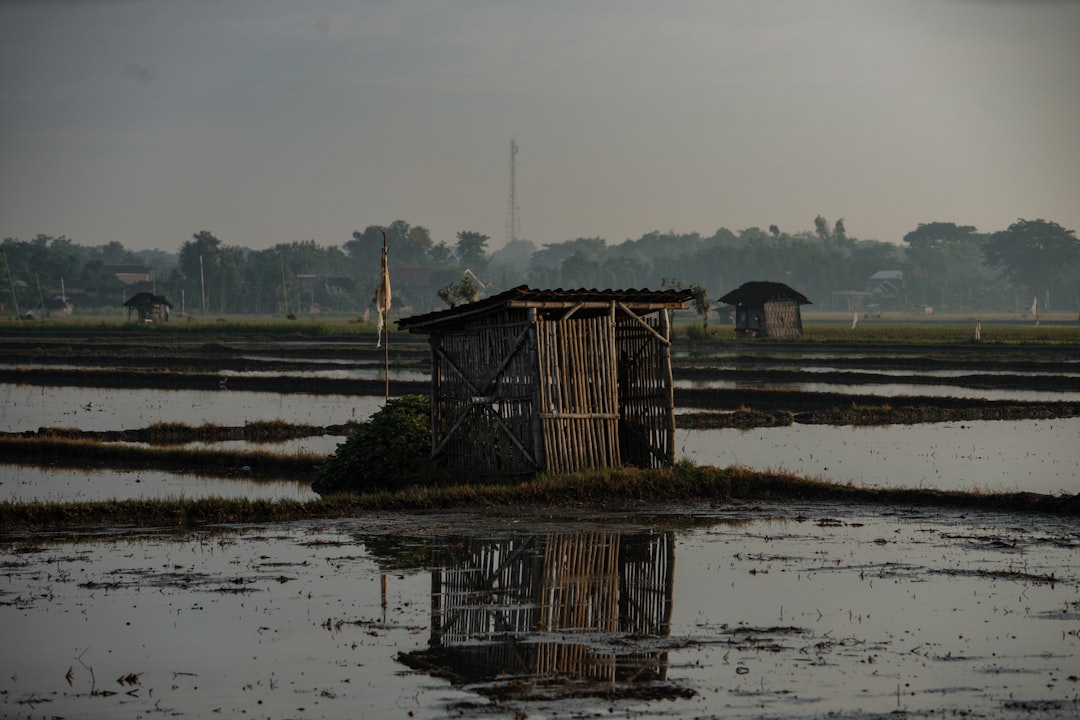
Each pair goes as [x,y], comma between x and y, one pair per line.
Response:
[1031,455]
[1040,456]
[780,612]
[743,611]
[989,456]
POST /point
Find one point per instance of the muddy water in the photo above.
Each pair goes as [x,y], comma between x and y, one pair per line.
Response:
[992,456]
[787,612]
[24,407]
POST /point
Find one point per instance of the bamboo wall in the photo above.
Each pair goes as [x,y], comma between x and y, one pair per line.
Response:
[482,389]
[645,393]
[578,393]
[783,319]
[521,391]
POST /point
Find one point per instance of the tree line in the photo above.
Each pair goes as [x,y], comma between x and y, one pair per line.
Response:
[952,267]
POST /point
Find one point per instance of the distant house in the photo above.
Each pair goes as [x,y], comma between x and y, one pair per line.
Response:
[129,273]
[150,307]
[767,309]
[319,290]
[530,381]
[56,305]
[886,286]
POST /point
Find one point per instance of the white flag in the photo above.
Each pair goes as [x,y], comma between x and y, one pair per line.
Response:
[382,299]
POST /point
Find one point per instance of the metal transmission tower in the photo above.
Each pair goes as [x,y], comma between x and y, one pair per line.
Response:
[512,223]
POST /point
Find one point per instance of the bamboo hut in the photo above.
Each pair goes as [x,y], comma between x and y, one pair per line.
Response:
[767,309]
[545,609]
[552,380]
[149,307]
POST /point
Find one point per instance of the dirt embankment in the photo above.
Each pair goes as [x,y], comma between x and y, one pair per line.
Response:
[777,408]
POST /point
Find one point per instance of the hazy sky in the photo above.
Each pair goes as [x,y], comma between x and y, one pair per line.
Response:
[264,121]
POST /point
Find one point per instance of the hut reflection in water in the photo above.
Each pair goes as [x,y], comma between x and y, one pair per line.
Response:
[554,614]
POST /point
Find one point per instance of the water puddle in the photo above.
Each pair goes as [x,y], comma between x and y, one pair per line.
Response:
[24,407]
[785,612]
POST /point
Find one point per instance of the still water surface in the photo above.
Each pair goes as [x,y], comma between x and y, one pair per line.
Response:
[786,612]
[26,407]
[993,455]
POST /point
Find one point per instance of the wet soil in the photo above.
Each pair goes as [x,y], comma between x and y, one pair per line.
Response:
[777,408]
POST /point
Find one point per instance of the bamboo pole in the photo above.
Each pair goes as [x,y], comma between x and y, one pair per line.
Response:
[386,346]
[11,284]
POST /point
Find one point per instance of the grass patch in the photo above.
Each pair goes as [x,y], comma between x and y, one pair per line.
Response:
[959,331]
[624,489]
[75,453]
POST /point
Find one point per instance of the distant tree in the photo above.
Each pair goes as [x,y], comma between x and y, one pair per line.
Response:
[581,270]
[200,262]
[509,264]
[944,265]
[441,254]
[936,234]
[774,230]
[821,227]
[699,299]
[1038,254]
[463,291]
[839,231]
[472,250]
[409,245]
[114,253]
[213,272]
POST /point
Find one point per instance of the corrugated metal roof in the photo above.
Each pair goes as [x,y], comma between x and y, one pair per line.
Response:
[524,296]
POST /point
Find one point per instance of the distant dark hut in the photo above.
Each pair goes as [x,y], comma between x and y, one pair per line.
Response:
[552,380]
[55,306]
[150,307]
[767,309]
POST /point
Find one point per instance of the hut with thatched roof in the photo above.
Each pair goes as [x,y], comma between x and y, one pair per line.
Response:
[149,307]
[552,380]
[767,309]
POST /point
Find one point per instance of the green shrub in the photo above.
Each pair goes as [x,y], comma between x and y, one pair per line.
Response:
[389,452]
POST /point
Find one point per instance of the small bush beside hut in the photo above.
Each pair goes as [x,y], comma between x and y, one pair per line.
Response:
[389,452]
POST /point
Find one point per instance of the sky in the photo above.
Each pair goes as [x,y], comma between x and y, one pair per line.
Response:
[266,121]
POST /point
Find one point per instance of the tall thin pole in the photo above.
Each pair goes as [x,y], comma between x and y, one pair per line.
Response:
[202,286]
[11,284]
[512,223]
[284,289]
[382,300]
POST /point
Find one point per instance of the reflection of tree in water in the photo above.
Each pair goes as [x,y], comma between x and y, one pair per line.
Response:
[569,614]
